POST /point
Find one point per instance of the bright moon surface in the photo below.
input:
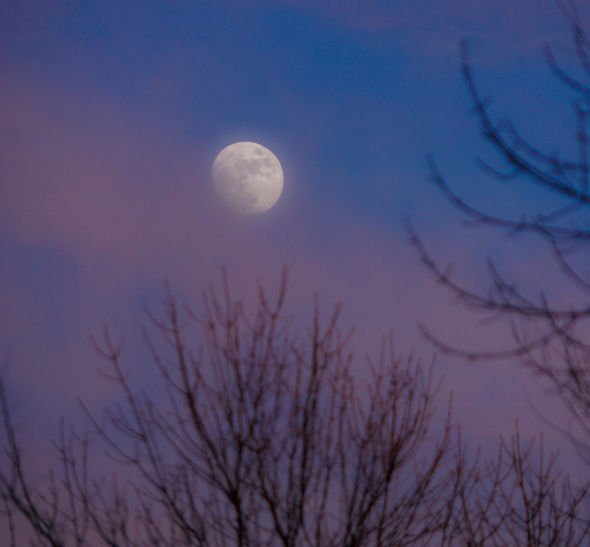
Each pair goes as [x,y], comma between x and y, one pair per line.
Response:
[248,177]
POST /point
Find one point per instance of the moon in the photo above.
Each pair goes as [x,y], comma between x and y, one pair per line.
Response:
[248,177]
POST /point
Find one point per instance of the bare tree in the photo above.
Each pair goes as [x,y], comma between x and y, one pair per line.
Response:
[518,498]
[266,437]
[262,437]
[548,337]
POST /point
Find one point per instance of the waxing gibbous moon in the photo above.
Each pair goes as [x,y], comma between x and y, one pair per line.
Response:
[248,177]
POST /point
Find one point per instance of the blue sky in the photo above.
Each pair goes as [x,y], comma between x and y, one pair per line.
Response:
[113,112]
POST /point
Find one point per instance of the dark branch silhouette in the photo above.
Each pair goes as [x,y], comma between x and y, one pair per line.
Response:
[548,338]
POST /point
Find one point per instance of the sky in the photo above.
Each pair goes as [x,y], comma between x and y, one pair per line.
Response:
[113,111]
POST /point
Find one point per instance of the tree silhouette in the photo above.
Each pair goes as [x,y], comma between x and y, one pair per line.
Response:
[264,436]
[547,337]
[519,498]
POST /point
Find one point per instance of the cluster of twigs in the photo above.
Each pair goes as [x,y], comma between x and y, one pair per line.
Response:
[548,337]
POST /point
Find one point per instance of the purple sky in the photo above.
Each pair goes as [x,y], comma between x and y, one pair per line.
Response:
[112,112]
